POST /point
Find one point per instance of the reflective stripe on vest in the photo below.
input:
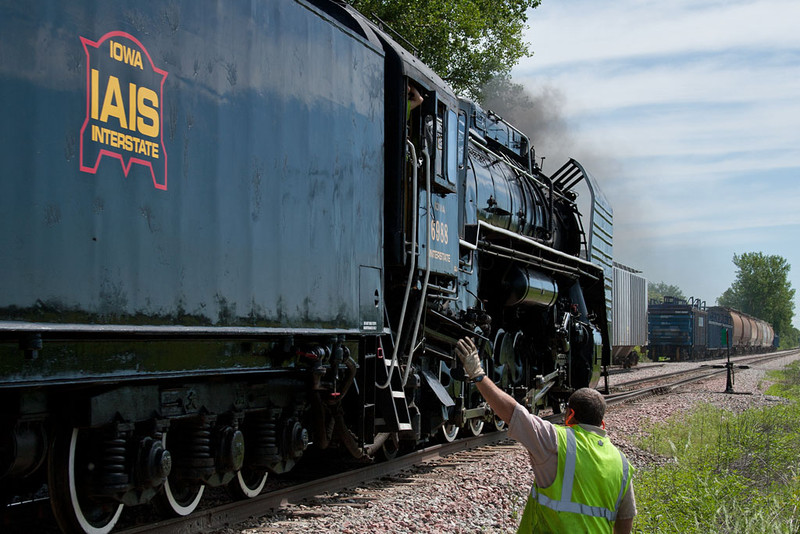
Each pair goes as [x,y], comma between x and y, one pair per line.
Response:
[565,504]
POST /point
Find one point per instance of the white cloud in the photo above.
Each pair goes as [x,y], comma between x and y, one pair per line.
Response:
[691,111]
[565,31]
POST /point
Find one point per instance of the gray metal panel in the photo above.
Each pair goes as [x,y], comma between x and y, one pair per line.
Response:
[629,308]
[371,297]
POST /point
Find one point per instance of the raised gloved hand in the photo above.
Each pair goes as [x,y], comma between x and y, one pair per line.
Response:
[468,354]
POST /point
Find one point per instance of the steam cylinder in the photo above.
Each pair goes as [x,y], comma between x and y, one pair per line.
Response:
[526,287]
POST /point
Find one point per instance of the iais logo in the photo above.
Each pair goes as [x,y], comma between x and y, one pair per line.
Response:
[124,107]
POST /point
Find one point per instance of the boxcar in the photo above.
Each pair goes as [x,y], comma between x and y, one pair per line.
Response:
[629,314]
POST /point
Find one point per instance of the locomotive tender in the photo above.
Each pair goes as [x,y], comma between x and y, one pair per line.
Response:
[225,240]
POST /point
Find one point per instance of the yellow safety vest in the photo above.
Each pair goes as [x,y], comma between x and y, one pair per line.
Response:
[592,477]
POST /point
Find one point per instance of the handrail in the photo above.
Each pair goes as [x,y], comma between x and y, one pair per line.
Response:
[427,162]
[412,265]
[528,241]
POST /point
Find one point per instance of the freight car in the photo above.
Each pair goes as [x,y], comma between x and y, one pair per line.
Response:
[720,329]
[743,333]
[684,330]
[628,316]
[677,329]
[227,238]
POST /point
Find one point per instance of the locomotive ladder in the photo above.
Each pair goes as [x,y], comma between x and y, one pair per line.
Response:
[392,400]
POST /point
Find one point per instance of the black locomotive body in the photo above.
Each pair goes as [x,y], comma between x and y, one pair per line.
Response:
[226,238]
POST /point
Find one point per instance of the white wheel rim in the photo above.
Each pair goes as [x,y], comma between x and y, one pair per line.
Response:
[499,424]
[449,432]
[175,505]
[247,490]
[476,426]
[73,495]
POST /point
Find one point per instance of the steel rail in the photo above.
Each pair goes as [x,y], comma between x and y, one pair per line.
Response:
[237,512]
[700,366]
[661,389]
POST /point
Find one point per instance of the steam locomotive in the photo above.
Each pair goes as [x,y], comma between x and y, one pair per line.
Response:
[227,239]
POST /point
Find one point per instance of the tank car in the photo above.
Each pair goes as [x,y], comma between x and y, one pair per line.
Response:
[227,239]
[747,334]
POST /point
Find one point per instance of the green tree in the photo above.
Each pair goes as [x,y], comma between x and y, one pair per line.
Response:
[467,42]
[662,289]
[790,339]
[762,289]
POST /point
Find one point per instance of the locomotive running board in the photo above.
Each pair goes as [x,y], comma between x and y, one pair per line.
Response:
[559,261]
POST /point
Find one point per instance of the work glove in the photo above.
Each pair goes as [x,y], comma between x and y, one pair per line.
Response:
[468,354]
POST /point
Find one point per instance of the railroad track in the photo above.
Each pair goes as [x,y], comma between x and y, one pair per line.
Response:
[701,368]
[236,512]
[682,378]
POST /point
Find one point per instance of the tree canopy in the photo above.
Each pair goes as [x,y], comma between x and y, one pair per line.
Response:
[762,289]
[662,289]
[467,42]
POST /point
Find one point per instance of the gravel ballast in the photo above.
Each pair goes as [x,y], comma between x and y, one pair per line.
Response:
[485,490]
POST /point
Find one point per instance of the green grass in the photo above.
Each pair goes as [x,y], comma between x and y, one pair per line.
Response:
[728,473]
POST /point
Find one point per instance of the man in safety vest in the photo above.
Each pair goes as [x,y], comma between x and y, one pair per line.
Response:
[582,482]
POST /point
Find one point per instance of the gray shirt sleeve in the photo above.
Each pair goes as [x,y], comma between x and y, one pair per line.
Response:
[627,508]
[540,438]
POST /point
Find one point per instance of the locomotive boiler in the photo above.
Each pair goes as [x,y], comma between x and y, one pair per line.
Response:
[226,239]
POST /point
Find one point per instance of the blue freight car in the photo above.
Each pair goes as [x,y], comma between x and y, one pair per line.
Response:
[677,329]
[681,329]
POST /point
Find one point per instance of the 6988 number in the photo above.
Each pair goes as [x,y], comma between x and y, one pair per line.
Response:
[439,232]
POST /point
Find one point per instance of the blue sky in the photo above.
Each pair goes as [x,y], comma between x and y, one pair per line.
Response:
[688,114]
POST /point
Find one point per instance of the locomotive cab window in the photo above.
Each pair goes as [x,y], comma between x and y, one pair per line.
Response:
[452,147]
[462,139]
[445,164]
[413,111]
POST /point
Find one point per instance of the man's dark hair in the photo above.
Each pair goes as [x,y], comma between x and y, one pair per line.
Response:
[589,406]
